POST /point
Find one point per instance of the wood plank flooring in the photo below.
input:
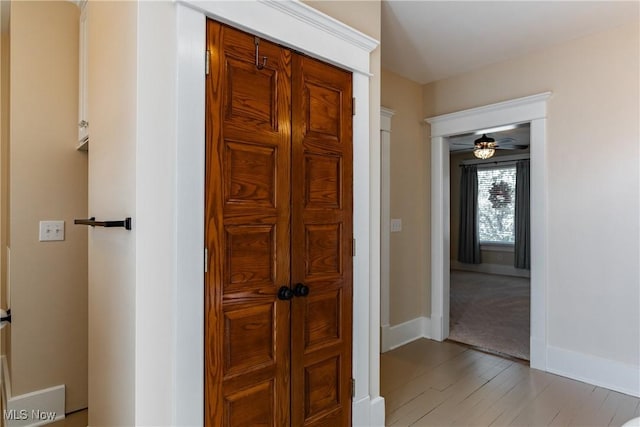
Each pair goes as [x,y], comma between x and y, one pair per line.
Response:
[427,383]
[77,419]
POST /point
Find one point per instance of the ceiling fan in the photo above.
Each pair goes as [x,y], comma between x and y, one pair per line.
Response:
[485,146]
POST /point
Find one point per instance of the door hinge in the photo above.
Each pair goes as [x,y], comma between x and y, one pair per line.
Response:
[207,61]
[353,247]
[353,106]
[353,387]
[206,260]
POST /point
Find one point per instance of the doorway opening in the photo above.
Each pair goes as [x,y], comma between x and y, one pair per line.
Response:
[490,242]
[531,109]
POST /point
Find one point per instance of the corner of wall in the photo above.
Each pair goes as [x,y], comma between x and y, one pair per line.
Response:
[404,333]
[32,409]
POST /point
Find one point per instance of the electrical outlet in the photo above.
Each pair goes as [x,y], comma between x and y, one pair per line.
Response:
[51,231]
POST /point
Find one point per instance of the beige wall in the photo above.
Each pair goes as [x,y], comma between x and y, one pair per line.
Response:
[593,180]
[48,182]
[410,201]
[112,179]
[5,10]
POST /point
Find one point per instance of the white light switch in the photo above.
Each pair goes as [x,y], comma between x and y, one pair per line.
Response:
[51,231]
[396,225]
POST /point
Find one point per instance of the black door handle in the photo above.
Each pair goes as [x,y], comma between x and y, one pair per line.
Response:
[285,293]
[301,290]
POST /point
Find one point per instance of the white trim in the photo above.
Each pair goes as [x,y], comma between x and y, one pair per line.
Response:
[369,412]
[287,23]
[404,333]
[325,23]
[539,242]
[5,379]
[521,110]
[377,418]
[528,109]
[385,118]
[189,301]
[46,401]
[502,270]
[440,238]
[606,373]
[298,25]
[385,212]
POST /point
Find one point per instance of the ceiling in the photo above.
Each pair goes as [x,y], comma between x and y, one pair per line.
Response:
[427,41]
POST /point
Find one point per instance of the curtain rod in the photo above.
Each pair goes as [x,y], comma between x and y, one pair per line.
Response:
[503,159]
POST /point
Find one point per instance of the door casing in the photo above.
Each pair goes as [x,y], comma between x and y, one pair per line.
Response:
[531,109]
[300,27]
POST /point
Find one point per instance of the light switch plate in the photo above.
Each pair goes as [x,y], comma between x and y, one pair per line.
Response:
[51,231]
[396,225]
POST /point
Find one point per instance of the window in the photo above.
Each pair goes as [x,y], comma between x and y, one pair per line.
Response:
[496,204]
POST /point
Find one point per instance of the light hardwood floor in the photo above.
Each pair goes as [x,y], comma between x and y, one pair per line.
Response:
[427,383]
[77,419]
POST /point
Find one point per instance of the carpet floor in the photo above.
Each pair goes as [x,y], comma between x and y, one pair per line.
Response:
[491,312]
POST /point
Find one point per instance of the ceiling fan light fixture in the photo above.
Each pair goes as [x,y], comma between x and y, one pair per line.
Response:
[484,147]
[484,153]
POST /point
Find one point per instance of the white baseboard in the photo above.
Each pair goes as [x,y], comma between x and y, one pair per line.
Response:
[4,379]
[436,329]
[32,409]
[503,270]
[537,354]
[368,412]
[598,371]
[594,370]
[377,412]
[398,335]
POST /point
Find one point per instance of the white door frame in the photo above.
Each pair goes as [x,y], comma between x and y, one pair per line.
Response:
[531,109]
[303,28]
[385,216]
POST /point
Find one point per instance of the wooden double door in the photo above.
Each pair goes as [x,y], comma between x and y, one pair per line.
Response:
[278,224]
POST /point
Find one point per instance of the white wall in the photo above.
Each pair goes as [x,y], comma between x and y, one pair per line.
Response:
[593,173]
[157,226]
[113,130]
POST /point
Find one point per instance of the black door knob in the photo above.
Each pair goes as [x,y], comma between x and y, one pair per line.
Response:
[284,293]
[301,290]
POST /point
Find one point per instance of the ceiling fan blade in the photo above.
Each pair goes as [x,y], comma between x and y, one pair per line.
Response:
[511,147]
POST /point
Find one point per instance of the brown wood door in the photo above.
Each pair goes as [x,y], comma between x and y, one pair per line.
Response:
[247,341]
[278,213]
[321,255]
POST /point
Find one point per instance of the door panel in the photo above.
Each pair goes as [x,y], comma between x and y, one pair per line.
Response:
[321,257]
[278,213]
[247,346]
